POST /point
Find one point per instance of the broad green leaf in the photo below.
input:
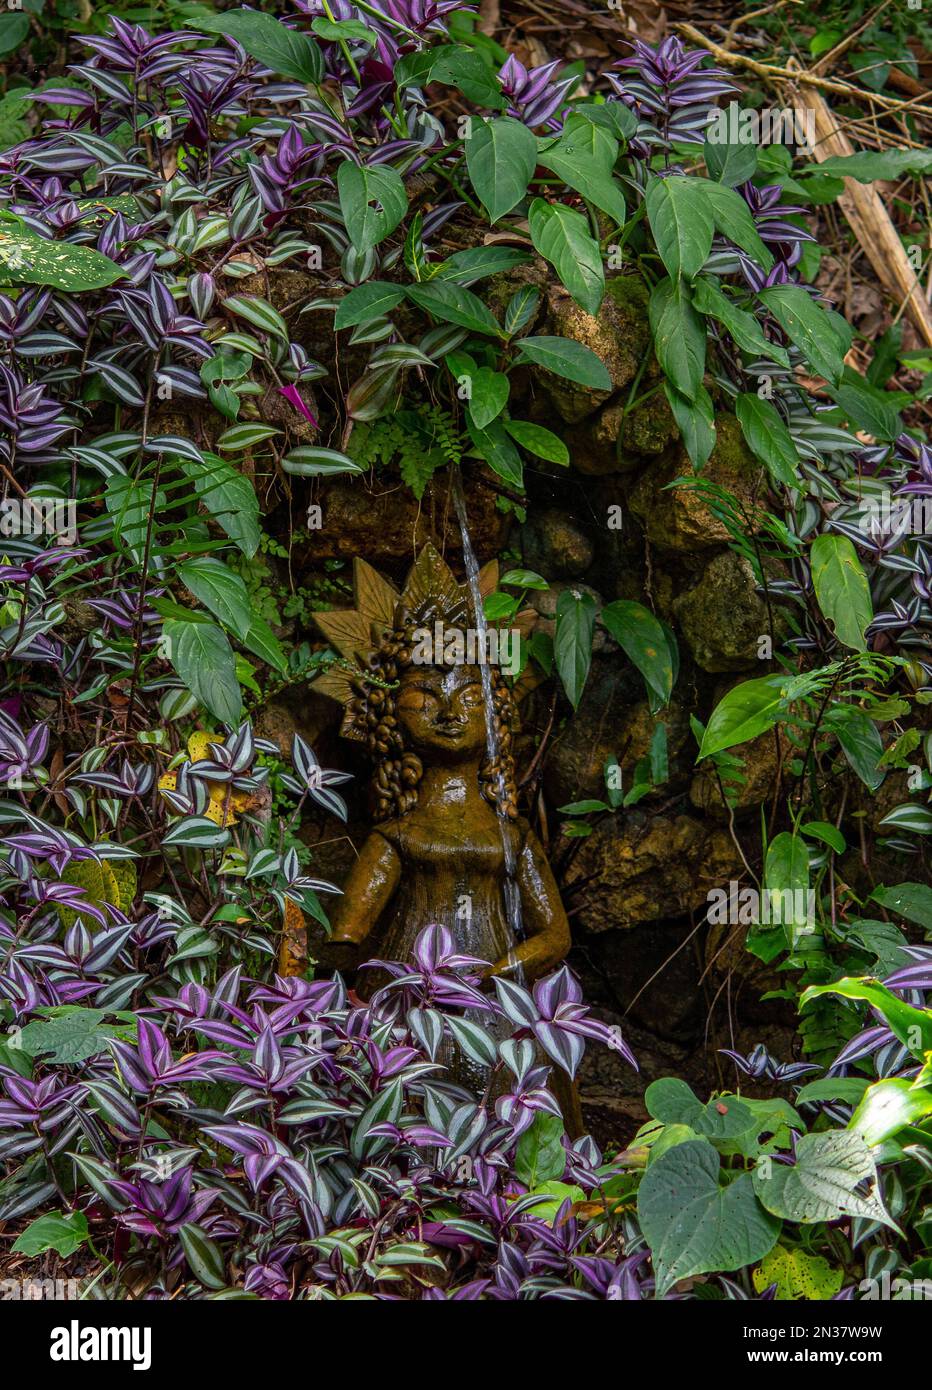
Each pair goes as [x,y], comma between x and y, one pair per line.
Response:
[822,1184]
[887,1107]
[488,396]
[680,216]
[496,447]
[733,220]
[334,30]
[540,1156]
[373,201]
[538,441]
[132,506]
[672,1101]
[695,421]
[910,900]
[768,438]
[841,588]
[572,643]
[14,28]
[644,642]
[367,302]
[868,165]
[562,236]
[283,50]
[56,1230]
[860,741]
[868,408]
[848,1089]
[730,163]
[692,1223]
[829,834]
[748,710]
[465,267]
[679,337]
[202,656]
[912,1026]
[501,155]
[786,879]
[807,325]
[457,66]
[583,157]
[72,1035]
[708,299]
[567,358]
[230,498]
[454,303]
[262,642]
[27,259]
[220,590]
[524,579]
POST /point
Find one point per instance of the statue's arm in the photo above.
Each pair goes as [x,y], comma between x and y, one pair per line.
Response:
[368,890]
[546,927]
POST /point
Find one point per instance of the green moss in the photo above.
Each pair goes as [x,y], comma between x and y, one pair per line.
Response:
[650,427]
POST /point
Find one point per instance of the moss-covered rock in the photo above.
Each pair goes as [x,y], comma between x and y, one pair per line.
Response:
[759,778]
[680,518]
[556,545]
[499,289]
[646,430]
[619,335]
[613,720]
[723,617]
[630,871]
[383,521]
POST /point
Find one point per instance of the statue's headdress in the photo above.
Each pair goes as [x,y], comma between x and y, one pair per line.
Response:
[431,594]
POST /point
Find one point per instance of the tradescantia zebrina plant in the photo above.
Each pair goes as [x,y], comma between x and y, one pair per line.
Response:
[169,1102]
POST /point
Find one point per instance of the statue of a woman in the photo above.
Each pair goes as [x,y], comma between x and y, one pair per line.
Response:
[442,812]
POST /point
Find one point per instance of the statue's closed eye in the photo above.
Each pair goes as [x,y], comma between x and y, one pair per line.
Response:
[417,698]
[471,697]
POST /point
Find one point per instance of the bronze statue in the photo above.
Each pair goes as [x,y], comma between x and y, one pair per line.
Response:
[442,812]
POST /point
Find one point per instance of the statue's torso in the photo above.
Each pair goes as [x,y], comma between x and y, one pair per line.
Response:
[452,873]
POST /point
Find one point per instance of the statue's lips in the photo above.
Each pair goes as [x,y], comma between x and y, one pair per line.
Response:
[450,731]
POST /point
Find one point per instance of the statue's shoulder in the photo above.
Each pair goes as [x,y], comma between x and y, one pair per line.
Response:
[389,830]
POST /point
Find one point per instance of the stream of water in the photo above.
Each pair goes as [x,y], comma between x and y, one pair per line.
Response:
[511,891]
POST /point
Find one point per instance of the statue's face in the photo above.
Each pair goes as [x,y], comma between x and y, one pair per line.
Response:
[442,712]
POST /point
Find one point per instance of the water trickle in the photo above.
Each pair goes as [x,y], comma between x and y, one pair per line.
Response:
[511,891]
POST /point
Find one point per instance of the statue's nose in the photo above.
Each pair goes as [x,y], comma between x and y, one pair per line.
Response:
[448,715]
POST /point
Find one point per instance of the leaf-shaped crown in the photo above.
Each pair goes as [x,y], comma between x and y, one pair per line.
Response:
[431,594]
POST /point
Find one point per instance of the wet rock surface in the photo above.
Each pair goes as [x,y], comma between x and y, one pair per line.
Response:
[723,618]
[633,870]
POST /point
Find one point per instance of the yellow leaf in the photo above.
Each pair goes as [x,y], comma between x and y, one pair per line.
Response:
[797,1275]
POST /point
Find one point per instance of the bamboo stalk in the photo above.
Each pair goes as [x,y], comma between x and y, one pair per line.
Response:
[772,72]
[868,218]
